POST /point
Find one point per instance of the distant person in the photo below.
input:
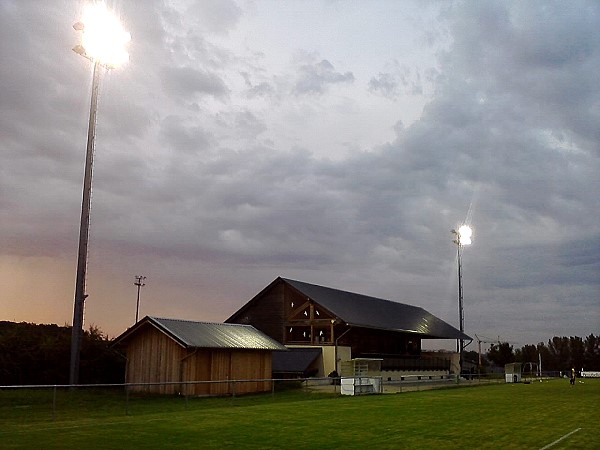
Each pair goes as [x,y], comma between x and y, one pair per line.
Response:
[572,380]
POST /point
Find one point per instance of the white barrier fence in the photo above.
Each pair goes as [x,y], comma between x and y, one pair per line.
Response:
[590,374]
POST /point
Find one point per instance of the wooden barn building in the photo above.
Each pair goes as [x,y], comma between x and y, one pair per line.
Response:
[346,329]
[180,351]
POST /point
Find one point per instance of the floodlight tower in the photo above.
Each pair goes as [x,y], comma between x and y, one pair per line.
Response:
[103,42]
[462,237]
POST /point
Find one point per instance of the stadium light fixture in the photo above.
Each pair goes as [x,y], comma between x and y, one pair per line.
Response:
[103,43]
[103,38]
[464,235]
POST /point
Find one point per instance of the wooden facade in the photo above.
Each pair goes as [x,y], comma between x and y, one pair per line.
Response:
[292,318]
[155,357]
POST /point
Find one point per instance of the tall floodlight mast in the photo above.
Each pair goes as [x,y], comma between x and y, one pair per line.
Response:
[462,237]
[103,42]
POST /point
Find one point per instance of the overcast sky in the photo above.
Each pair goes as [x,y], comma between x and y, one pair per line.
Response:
[332,142]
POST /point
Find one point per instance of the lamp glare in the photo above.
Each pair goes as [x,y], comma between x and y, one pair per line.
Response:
[103,37]
[464,235]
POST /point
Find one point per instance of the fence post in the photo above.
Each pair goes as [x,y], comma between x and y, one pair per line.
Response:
[126,400]
[54,403]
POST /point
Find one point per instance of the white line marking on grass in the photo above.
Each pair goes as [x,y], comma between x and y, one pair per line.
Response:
[551,444]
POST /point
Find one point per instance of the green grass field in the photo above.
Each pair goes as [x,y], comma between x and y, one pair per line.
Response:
[507,416]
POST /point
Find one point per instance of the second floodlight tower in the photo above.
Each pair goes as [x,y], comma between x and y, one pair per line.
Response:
[462,237]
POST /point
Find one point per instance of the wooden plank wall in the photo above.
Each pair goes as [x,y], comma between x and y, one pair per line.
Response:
[196,367]
[251,366]
[154,357]
[220,370]
[240,365]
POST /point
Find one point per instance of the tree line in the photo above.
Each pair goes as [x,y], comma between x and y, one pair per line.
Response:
[560,354]
[41,354]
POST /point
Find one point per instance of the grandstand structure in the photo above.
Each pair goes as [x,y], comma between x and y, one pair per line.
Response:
[331,331]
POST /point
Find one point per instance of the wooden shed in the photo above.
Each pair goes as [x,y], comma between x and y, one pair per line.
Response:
[214,356]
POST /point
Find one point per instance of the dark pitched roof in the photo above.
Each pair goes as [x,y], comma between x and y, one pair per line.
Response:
[296,360]
[208,335]
[371,312]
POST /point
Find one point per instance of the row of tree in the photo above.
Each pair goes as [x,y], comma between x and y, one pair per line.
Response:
[41,354]
[559,354]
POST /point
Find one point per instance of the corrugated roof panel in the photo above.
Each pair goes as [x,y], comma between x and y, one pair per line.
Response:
[216,335]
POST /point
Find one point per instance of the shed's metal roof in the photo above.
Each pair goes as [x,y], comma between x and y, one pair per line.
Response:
[371,312]
[210,335]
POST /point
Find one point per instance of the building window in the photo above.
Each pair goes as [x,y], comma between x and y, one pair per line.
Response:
[322,335]
[299,334]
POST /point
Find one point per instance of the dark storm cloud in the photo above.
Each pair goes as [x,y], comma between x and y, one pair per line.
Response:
[511,121]
[538,57]
[314,78]
[575,262]
[508,149]
[37,125]
[508,139]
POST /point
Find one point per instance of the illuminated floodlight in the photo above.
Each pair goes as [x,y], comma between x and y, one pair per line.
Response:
[464,235]
[103,38]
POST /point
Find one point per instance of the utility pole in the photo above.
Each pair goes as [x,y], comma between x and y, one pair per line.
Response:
[139,282]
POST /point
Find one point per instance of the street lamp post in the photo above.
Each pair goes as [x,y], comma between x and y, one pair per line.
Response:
[102,43]
[463,237]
